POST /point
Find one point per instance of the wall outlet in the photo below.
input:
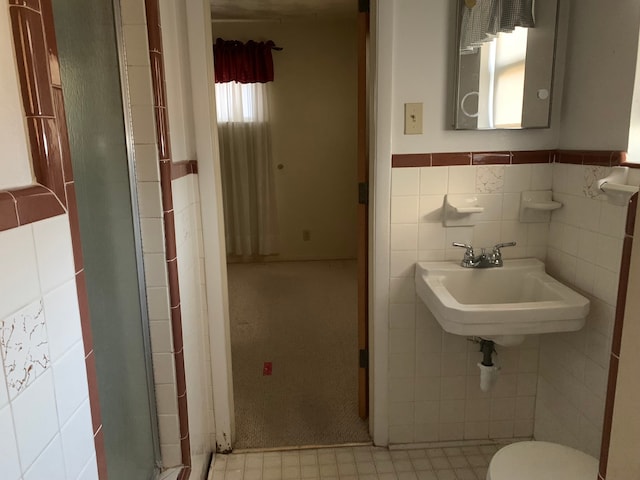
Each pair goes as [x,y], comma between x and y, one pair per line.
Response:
[412,118]
[306,235]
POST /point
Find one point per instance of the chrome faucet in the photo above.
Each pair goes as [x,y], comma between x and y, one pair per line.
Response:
[484,260]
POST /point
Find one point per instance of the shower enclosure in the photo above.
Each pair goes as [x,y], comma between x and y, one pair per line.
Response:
[89,48]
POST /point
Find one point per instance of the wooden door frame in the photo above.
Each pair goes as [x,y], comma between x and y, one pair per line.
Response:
[363,210]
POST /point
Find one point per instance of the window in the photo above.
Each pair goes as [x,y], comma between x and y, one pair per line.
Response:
[241,102]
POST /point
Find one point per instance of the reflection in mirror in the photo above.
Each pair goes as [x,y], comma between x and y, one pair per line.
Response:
[504,58]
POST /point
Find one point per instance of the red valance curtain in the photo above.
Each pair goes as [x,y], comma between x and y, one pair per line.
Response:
[249,62]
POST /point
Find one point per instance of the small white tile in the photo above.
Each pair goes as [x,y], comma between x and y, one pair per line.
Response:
[451,431]
[77,441]
[605,286]
[404,237]
[401,365]
[170,429]
[570,239]
[490,178]
[541,176]
[451,410]
[458,234]
[527,384]
[161,341]
[90,471]
[434,180]
[147,165]
[52,239]
[402,315]
[136,44]
[401,340]
[132,12]
[511,206]
[163,369]
[405,181]
[397,434]
[155,268]
[517,178]
[166,399]
[453,388]
[462,179]
[431,236]
[158,303]
[70,381]
[486,234]
[152,235]
[478,410]
[149,200]
[35,418]
[404,209]
[140,88]
[4,397]
[501,429]
[49,465]
[430,208]
[171,455]
[144,127]
[514,232]
[63,319]
[19,282]
[25,348]
[612,220]
[428,365]
[609,253]
[9,463]
[476,430]
[402,290]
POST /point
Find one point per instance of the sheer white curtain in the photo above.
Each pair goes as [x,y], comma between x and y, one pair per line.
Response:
[247,168]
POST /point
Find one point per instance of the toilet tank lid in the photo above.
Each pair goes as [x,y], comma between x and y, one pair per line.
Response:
[535,460]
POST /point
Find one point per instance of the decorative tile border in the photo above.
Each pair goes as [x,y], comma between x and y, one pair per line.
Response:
[578,157]
[36,52]
[167,171]
[625,265]
[182,169]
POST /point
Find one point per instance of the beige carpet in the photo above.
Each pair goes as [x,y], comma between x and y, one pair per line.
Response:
[301,316]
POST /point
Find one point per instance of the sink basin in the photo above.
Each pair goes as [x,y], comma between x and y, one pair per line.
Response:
[501,304]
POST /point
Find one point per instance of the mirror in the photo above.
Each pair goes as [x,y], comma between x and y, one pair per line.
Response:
[504,58]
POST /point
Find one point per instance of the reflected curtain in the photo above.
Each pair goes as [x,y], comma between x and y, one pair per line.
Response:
[248,182]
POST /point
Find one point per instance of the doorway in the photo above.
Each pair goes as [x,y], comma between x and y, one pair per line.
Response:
[294,315]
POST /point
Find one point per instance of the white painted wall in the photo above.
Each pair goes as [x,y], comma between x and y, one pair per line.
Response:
[15,161]
[600,72]
[177,71]
[314,131]
[423,42]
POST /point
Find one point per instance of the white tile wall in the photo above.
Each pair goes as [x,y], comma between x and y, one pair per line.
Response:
[585,248]
[434,381]
[45,421]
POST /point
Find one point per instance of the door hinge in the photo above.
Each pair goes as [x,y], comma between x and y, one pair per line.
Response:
[364,358]
[363,6]
[363,193]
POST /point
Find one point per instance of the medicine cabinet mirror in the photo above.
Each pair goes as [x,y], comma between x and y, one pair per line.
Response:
[504,57]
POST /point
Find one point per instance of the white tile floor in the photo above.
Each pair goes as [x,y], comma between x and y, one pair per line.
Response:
[363,463]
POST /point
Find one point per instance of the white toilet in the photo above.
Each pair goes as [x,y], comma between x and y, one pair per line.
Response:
[541,461]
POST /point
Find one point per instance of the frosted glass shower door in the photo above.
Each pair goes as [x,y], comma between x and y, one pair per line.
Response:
[109,227]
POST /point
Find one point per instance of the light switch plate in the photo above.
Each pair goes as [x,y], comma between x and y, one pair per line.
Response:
[412,118]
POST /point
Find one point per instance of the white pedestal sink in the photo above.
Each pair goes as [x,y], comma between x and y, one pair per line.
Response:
[501,304]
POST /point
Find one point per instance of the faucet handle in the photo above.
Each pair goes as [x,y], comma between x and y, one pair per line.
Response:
[498,246]
[464,245]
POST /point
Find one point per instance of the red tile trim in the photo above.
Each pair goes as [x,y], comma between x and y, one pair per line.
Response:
[491,158]
[631,215]
[164,150]
[630,164]
[450,159]
[608,415]
[182,169]
[185,473]
[534,156]
[38,69]
[411,160]
[8,212]
[576,157]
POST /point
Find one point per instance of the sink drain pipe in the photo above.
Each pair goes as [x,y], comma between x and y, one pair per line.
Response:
[488,371]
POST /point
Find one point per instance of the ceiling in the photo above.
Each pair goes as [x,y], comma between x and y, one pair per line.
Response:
[281,9]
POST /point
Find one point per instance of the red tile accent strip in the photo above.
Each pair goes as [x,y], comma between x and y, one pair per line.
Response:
[608,415]
[491,158]
[576,157]
[411,160]
[630,164]
[450,159]
[631,214]
[534,156]
[8,212]
[38,69]
[185,473]
[182,169]
[166,168]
